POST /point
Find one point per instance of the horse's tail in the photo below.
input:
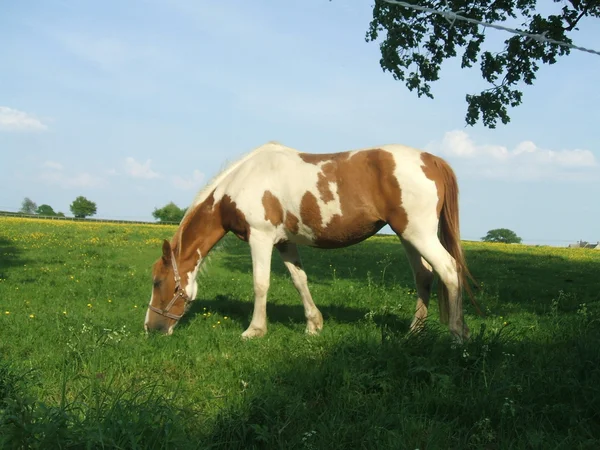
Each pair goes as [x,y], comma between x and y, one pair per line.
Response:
[450,238]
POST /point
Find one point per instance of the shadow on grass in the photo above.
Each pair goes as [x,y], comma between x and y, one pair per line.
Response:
[10,256]
[511,281]
[285,314]
[362,390]
[358,262]
[421,392]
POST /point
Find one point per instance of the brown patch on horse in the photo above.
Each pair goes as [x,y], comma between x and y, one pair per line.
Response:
[205,225]
[369,196]
[316,158]
[273,209]
[325,176]
[310,212]
[432,168]
[327,173]
[233,219]
[291,222]
[198,223]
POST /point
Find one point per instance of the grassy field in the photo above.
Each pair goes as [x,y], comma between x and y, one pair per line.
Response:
[77,370]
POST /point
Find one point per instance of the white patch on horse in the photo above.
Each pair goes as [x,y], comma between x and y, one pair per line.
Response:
[192,286]
[332,207]
[221,175]
[419,193]
[147,319]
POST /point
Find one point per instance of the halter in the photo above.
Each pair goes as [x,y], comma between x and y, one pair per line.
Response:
[179,293]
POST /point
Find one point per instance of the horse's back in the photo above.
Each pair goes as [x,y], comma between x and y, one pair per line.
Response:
[274,156]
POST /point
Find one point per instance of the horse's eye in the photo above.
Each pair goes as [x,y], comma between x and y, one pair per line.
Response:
[157,283]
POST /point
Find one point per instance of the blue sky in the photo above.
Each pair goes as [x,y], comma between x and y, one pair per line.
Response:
[135,104]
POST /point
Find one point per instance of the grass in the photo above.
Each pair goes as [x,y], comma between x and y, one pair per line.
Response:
[77,370]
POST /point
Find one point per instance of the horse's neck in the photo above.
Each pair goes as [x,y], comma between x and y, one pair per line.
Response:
[198,233]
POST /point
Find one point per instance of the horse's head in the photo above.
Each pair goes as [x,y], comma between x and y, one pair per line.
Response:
[172,293]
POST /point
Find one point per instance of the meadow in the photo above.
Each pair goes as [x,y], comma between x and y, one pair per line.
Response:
[77,370]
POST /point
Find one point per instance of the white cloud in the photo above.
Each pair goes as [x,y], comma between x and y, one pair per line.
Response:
[15,120]
[526,161]
[53,165]
[189,182]
[140,170]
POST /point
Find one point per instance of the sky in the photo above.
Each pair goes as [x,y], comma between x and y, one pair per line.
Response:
[136,104]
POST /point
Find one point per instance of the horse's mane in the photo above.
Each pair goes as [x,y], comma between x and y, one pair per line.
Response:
[228,167]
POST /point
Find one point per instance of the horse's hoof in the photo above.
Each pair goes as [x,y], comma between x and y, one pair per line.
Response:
[312,330]
[314,324]
[253,333]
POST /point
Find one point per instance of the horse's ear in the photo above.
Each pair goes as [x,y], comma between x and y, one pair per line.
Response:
[166,250]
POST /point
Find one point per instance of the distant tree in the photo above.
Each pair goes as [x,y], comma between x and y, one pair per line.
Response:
[60,214]
[503,235]
[45,210]
[82,207]
[169,213]
[28,206]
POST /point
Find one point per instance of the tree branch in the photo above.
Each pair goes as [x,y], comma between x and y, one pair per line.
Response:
[572,25]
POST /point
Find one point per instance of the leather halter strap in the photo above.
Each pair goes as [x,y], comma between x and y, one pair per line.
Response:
[179,293]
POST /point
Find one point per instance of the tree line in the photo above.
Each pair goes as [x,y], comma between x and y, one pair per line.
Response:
[82,208]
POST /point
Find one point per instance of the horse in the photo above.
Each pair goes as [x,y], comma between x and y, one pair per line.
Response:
[279,197]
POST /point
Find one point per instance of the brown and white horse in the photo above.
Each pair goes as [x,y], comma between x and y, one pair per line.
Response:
[279,197]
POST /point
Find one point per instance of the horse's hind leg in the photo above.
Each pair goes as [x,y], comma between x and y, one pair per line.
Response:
[423,238]
[261,249]
[445,266]
[423,275]
[291,259]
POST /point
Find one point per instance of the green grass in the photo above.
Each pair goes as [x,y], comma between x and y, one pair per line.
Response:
[77,370]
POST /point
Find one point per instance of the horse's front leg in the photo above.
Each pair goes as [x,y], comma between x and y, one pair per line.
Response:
[291,259]
[261,249]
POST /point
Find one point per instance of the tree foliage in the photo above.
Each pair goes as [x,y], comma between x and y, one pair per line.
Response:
[82,207]
[45,210]
[416,44]
[502,235]
[169,213]
[28,206]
